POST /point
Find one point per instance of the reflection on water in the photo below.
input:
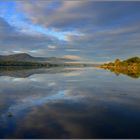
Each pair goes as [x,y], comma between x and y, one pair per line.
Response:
[68,103]
[23,72]
[133,73]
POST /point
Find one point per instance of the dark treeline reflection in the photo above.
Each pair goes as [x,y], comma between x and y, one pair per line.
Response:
[133,73]
[24,71]
[68,103]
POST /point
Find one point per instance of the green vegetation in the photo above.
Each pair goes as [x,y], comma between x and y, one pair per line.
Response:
[130,67]
[23,63]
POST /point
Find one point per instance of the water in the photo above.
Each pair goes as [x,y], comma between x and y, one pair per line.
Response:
[68,103]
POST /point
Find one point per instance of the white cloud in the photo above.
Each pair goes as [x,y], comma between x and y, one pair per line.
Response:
[72,57]
[52,47]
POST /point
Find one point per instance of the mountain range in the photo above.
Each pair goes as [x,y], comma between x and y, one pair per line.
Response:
[28,58]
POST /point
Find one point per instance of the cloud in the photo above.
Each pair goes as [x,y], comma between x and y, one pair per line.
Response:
[14,41]
[52,47]
[104,26]
[44,13]
[90,29]
[73,14]
[4,27]
[72,57]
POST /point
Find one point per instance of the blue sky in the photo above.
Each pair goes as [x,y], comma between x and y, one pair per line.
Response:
[83,30]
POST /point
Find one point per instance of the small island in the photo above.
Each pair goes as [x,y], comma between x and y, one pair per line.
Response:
[130,67]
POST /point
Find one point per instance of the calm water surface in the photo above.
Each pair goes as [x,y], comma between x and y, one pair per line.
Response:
[69,103]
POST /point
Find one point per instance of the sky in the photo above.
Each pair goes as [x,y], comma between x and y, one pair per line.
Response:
[96,31]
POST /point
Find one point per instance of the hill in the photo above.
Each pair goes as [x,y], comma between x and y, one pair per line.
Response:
[24,59]
[28,58]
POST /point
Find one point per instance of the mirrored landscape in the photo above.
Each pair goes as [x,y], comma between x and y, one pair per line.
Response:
[68,103]
[69,69]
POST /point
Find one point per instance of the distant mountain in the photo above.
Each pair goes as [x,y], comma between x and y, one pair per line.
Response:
[28,58]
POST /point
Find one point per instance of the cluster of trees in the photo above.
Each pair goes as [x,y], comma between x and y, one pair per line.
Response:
[130,67]
[133,62]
